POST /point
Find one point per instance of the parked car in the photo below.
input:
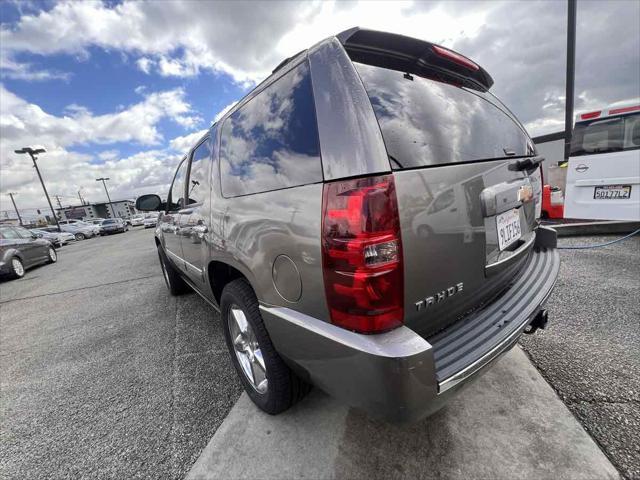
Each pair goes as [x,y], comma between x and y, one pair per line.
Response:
[94,221]
[137,220]
[113,225]
[58,239]
[82,225]
[79,232]
[321,269]
[150,220]
[20,249]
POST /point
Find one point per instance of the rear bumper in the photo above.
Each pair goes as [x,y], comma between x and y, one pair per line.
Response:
[399,375]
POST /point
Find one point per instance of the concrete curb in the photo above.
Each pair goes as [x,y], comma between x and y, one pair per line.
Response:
[508,424]
[593,228]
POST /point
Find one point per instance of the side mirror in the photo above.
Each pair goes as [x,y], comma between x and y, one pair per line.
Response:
[36,235]
[149,203]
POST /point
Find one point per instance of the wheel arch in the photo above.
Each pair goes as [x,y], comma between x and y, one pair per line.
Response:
[14,252]
[220,274]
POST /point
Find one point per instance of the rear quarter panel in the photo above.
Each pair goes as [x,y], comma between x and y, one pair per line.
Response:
[260,227]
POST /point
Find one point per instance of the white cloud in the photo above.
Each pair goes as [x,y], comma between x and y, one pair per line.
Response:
[521,44]
[21,121]
[144,64]
[24,71]
[65,170]
[109,155]
[185,142]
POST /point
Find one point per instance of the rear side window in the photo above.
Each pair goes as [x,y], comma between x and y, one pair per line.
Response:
[198,184]
[271,142]
[427,122]
[606,135]
[176,194]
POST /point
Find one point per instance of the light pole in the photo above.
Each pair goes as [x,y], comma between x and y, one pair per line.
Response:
[104,182]
[33,152]
[11,194]
[571,73]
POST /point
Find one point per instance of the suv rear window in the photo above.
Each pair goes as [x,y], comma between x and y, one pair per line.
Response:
[605,135]
[427,122]
[271,142]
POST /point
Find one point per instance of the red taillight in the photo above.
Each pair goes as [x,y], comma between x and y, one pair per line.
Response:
[362,254]
[455,57]
[590,115]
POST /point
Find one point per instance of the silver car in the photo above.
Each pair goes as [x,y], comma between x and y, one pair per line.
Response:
[366,220]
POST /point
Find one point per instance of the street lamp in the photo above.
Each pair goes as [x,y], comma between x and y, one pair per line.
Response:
[104,182]
[11,194]
[33,152]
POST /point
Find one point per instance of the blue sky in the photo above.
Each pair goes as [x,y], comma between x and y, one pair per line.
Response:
[121,89]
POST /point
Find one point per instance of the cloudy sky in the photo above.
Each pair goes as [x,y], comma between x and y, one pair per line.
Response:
[121,89]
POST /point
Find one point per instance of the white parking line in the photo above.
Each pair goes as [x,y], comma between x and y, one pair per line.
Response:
[508,424]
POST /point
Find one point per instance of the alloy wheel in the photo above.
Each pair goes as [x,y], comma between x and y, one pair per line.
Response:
[17,266]
[247,349]
[53,256]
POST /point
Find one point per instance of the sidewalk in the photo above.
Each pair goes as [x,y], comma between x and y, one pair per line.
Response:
[508,424]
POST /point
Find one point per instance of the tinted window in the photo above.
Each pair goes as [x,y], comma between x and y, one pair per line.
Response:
[9,233]
[23,232]
[606,135]
[198,184]
[176,193]
[427,122]
[106,222]
[272,141]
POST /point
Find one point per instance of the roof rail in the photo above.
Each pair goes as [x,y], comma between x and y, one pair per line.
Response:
[285,61]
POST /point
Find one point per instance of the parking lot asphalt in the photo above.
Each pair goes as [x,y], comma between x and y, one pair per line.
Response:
[590,352]
[103,373]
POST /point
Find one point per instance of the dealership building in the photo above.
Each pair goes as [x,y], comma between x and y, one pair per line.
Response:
[123,209]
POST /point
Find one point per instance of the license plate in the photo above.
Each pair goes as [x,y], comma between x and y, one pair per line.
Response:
[508,226]
[612,192]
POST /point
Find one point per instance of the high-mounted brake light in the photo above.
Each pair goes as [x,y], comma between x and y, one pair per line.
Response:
[590,115]
[362,254]
[455,57]
[617,111]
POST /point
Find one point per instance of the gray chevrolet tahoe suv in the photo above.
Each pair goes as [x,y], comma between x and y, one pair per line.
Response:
[366,220]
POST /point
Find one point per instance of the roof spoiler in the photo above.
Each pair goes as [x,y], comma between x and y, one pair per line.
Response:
[411,55]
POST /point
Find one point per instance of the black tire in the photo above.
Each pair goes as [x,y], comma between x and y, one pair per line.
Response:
[173,280]
[16,268]
[79,236]
[52,256]
[285,388]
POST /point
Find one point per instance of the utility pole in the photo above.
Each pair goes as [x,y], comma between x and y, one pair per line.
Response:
[571,73]
[33,152]
[58,200]
[80,197]
[104,182]
[11,194]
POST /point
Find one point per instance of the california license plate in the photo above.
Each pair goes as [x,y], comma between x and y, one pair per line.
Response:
[508,226]
[612,192]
